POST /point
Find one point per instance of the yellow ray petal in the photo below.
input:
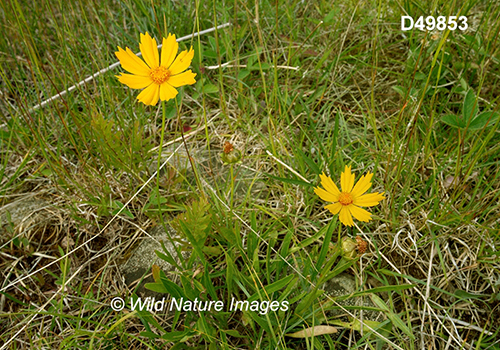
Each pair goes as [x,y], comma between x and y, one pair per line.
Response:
[168,50]
[359,213]
[345,215]
[149,50]
[134,81]
[369,199]
[182,62]
[150,95]
[167,92]
[131,63]
[347,179]
[334,208]
[186,78]
[329,185]
[325,195]
[363,184]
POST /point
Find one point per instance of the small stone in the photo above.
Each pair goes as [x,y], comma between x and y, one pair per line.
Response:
[345,284]
[144,256]
[24,215]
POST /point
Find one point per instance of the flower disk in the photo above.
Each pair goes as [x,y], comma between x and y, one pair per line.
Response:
[159,75]
[345,198]
[347,202]
[158,78]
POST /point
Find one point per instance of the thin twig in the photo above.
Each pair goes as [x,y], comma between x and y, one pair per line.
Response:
[229,65]
[462,323]
[287,166]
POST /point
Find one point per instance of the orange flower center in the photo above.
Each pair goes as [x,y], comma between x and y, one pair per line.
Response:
[228,147]
[159,75]
[345,198]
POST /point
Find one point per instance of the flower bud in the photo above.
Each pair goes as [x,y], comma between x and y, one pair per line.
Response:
[349,247]
[229,154]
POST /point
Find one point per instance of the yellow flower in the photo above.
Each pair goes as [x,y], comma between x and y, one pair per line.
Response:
[348,202]
[158,80]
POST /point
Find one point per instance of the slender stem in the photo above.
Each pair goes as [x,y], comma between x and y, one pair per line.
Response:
[339,239]
[163,118]
[164,113]
[232,186]
[195,171]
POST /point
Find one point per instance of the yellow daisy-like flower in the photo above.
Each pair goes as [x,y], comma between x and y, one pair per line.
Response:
[158,78]
[347,202]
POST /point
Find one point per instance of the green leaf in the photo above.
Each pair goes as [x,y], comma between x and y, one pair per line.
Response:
[274,287]
[310,240]
[234,333]
[309,162]
[342,265]
[15,300]
[470,106]
[212,250]
[197,246]
[149,335]
[147,319]
[242,74]
[124,211]
[395,319]
[179,336]
[165,257]
[325,247]
[195,222]
[228,234]
[207,282]
[156,200]
[4,135]
[213,42]
[189,288]
[400,90]
[462,294]
[170,287]
[156,287]
[170,112]
[420,76]
[482,120]
[453,120]
[307,300]
[210,89]
[330,18]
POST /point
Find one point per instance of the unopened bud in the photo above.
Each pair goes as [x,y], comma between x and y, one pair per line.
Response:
[230,155]
[349,246]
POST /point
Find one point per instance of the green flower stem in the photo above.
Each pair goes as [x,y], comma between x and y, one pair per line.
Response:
[340,232]
[231,173]
[164,115]
[163,118]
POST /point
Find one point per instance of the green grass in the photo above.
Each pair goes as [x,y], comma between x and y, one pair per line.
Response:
[299,89]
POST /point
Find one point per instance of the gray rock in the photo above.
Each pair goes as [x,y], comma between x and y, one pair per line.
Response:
[345,284]
[24,216]
[144,256]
